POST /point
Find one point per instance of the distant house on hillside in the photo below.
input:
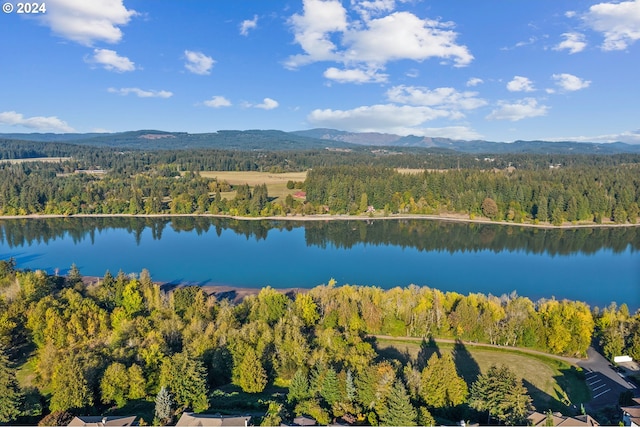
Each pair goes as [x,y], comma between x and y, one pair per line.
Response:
[300,194]
[190,419]
[557,419]
[99,421]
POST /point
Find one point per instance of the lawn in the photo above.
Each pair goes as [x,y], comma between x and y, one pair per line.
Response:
[276,182]
[552,383]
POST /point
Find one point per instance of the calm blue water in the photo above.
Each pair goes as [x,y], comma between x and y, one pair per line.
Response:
[596,266]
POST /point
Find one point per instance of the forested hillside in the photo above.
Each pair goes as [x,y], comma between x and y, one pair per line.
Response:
[517,188]
[120,342]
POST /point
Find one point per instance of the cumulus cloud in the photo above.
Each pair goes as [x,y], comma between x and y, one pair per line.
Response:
[569,82]
[618,22]
[522,109]
[474,81]
[629,137]
[520,84]
[87,22]
[110,60]
[324,33]
[217,102]
[446,97]
[267,104]
[248,24]
[390,118]
[375,118]
[312,31]
[198,62]
[573,42]
[354,76]
[140,93]
[48,124]
[369,8]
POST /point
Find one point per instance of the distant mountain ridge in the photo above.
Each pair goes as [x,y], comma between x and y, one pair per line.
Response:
[315,139]
[471,147]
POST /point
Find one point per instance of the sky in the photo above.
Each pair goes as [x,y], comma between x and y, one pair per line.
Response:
[493,69]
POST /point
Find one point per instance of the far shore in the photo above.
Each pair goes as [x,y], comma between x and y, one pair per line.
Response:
[344,217]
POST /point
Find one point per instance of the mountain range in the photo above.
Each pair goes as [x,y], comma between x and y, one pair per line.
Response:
[313,139]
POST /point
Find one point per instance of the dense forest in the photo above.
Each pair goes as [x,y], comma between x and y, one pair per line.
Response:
[73,348]
[517,188]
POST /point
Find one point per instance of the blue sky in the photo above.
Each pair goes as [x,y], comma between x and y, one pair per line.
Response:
[492,69]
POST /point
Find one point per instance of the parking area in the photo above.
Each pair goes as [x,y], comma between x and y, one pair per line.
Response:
[604,382]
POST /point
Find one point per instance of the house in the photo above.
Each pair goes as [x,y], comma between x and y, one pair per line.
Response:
[631,414]
[557,419]
[99,421]
[190,419]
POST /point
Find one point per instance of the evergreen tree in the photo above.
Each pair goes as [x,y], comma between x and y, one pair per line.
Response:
[186,378]
[114,386]
[350,387]
[164,407]
[330,390]
[299,387]
[500,393]
[69,385]
[10,395]
[399,410]
[250,374]
[441,384]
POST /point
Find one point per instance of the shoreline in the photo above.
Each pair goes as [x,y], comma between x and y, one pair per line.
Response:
[344,217]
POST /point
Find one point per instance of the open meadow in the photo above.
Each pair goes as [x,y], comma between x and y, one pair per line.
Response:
[551,383]
[276,182]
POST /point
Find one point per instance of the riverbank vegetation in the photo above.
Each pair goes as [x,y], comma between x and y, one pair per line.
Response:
[115,345]
[518,188]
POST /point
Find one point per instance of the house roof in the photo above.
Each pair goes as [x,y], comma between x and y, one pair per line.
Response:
[633,413]
[189,419]
[100,421]
[557,419]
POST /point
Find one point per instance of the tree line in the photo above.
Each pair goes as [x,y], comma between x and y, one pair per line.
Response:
[124,339]
[578,194]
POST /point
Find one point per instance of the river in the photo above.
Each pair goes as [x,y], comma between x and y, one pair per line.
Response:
[595,265]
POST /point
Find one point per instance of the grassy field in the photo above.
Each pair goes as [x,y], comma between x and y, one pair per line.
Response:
[552,383]
[36,159]
[276,182]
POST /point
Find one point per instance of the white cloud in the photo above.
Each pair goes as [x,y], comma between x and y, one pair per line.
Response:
[573,42]
[354,76]
[523,109]
[474,81]
[402,35]
[87,22]
[217,102]
[198,62]
[312,31]
[443,96]
[267,104]
[248,24]
[619,23]
[324,34]
[452,132]
[570,13]
[629,137]
[141,93]
[375,118]
[569,82]
[520,84]
[110,60]
[368,8]
[48,124]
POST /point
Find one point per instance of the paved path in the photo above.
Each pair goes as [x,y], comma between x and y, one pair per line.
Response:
[572,360]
